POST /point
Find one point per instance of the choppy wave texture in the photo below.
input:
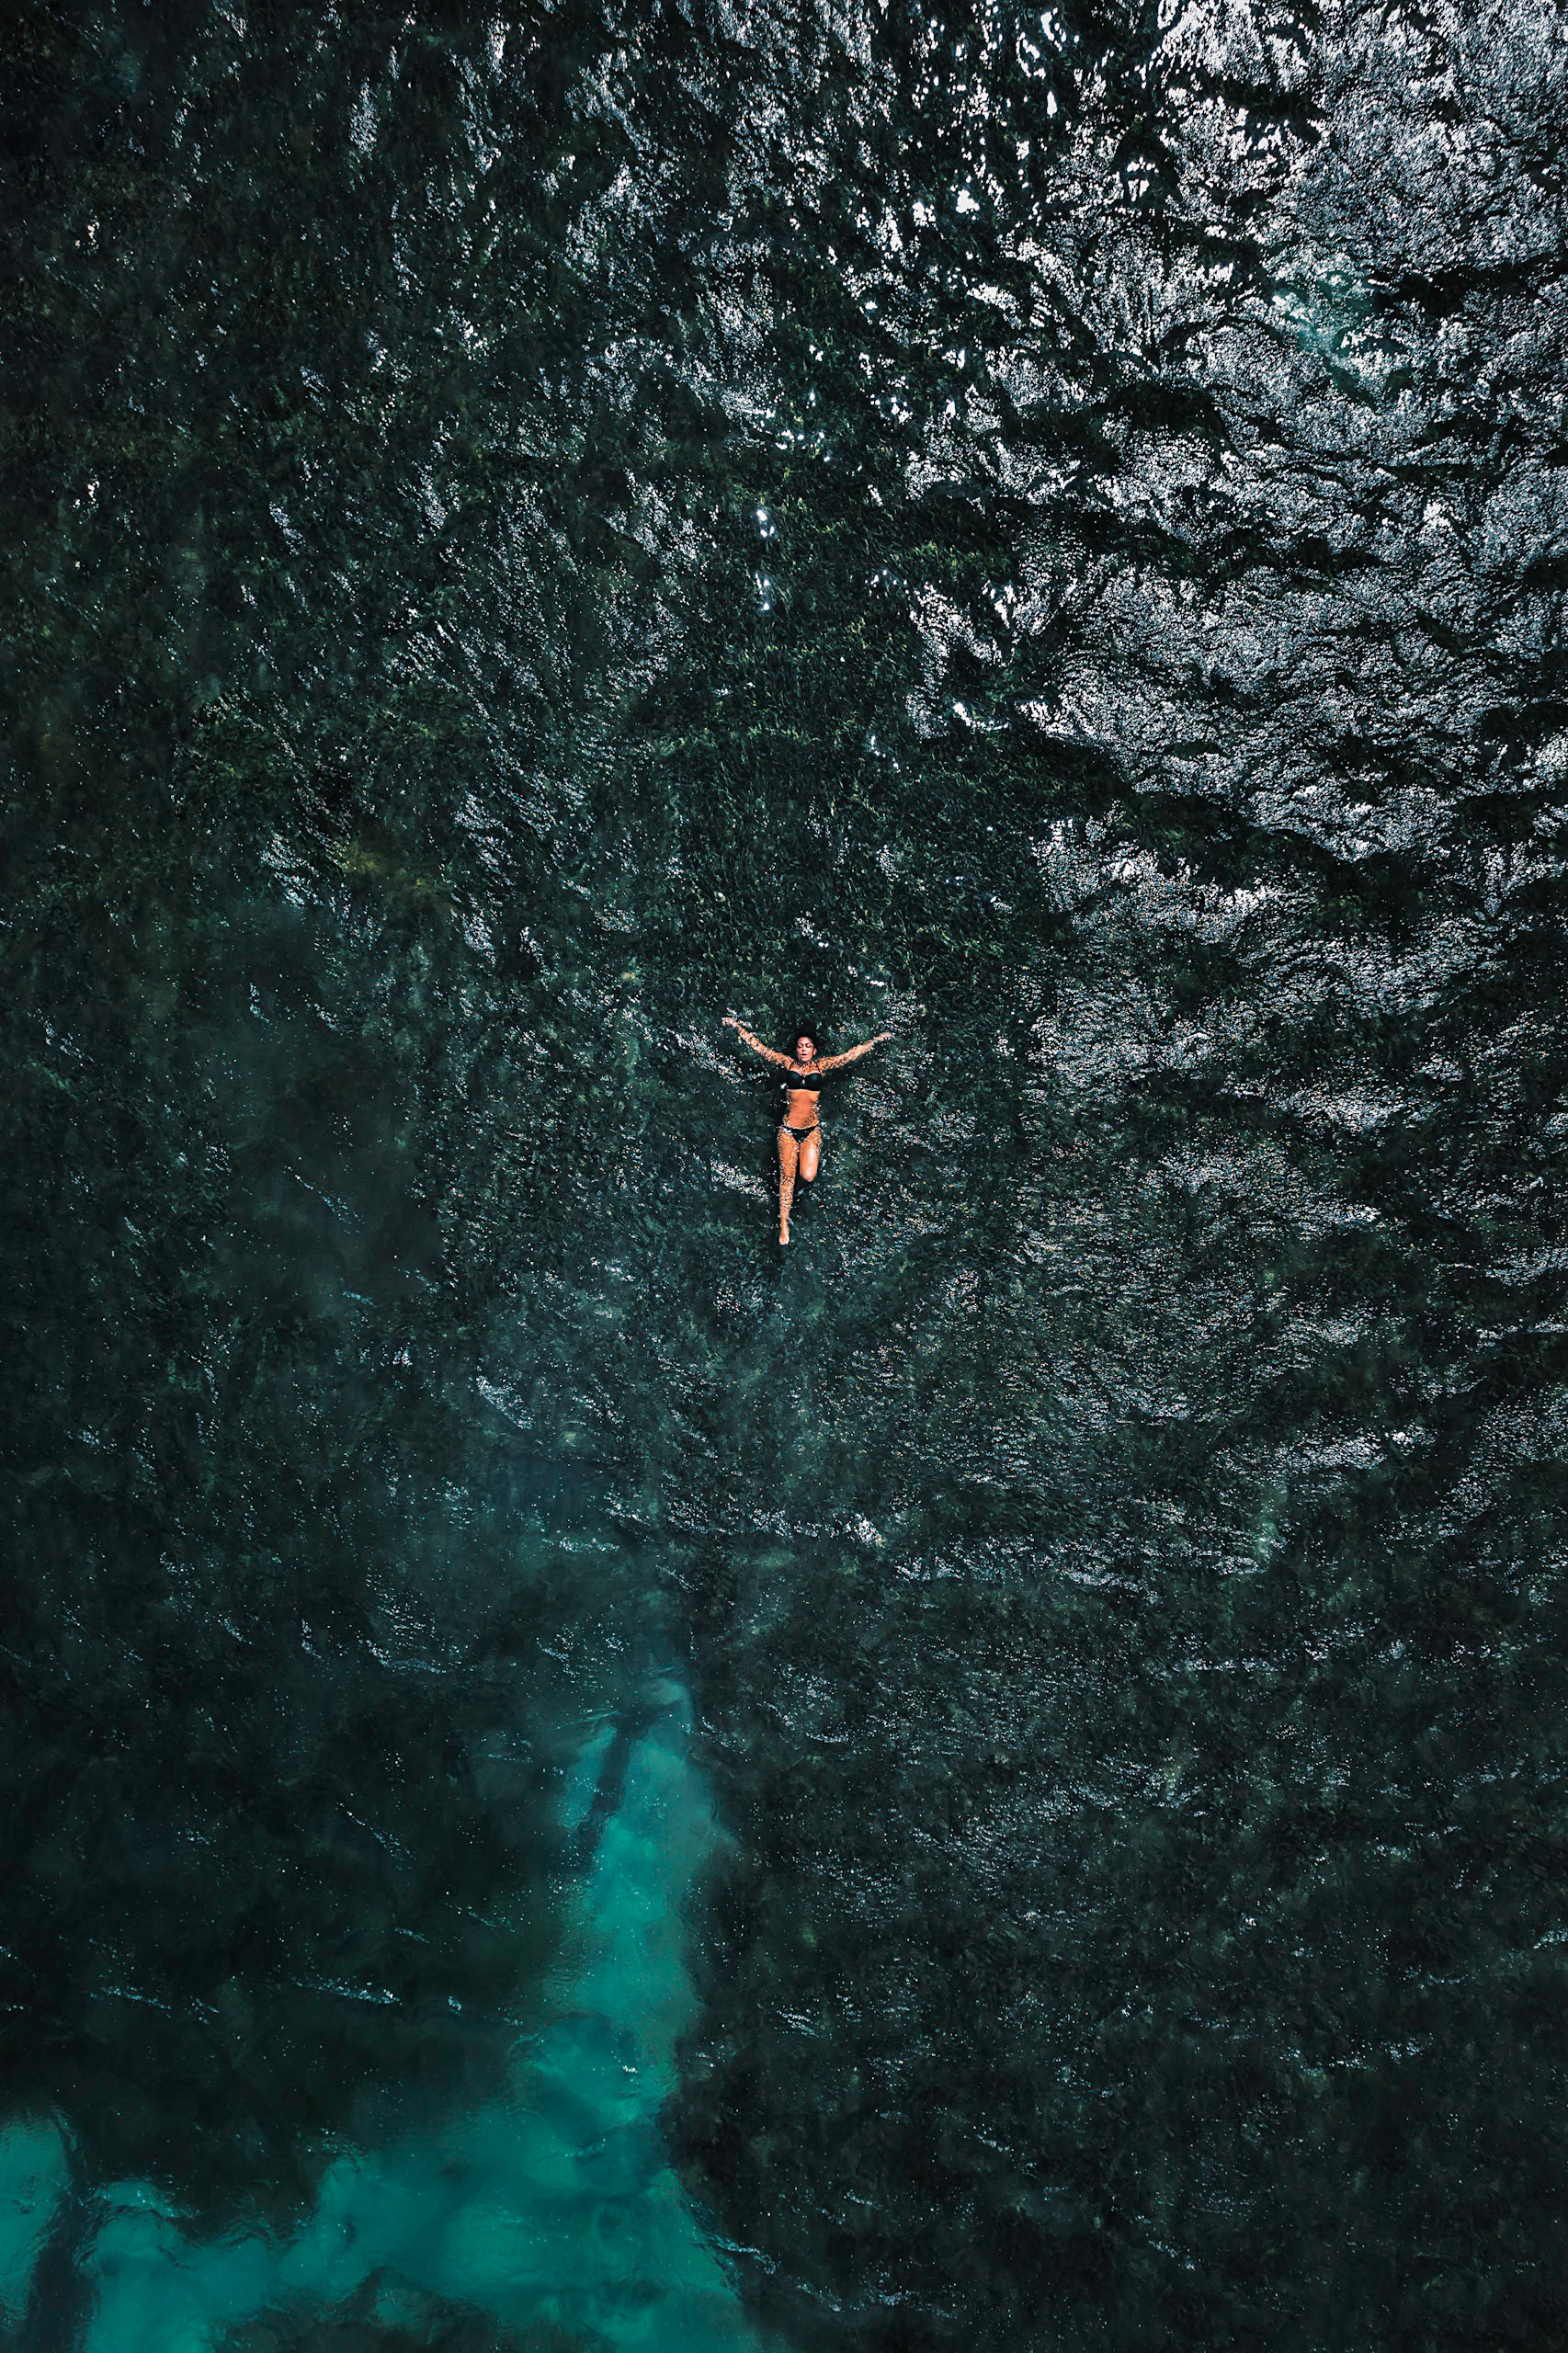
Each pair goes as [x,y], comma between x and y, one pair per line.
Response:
[1041,531]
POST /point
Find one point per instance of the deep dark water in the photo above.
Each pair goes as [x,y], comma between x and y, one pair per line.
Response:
[529,531]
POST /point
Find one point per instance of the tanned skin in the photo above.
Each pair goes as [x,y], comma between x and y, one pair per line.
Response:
[800,1154]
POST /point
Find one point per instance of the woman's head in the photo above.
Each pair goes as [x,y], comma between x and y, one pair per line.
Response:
[806,1043]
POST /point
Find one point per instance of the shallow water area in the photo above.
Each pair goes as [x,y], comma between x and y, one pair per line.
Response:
[554,2205]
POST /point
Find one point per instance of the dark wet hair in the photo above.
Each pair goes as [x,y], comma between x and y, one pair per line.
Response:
[807,1029]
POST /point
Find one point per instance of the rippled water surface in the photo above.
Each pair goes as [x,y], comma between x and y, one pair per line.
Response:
[572,1779]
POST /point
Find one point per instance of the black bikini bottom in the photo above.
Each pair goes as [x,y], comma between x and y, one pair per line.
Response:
[800,1135]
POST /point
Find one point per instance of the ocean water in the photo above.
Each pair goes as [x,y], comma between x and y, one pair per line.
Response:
[552,2205]
[573,1779]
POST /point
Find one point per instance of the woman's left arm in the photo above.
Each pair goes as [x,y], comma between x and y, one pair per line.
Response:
[836,1061]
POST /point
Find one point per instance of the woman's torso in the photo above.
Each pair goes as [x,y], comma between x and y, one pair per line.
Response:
[802,1088]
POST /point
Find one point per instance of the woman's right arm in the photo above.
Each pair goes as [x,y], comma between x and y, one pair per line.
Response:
[768,1053]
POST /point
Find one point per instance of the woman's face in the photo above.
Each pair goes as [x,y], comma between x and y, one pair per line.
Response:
[804,1049]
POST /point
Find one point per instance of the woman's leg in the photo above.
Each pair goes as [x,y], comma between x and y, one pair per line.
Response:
[788,1159]
[811,1153]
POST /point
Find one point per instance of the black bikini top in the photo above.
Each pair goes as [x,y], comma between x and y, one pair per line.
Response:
[807,1081]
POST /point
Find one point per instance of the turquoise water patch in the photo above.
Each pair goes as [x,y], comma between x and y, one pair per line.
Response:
[33,2180]
[554,2207]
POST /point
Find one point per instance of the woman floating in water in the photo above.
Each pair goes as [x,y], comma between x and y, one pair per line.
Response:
[800,1132]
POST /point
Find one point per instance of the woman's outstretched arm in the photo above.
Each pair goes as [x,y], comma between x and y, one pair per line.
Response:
[836,1062]
[768,1053]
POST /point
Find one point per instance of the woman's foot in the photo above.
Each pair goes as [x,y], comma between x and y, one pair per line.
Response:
[783,1229]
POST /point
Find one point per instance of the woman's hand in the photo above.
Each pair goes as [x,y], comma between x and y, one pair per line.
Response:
[731,1022]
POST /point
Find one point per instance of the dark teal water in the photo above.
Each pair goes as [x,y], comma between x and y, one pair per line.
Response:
[572,1780]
